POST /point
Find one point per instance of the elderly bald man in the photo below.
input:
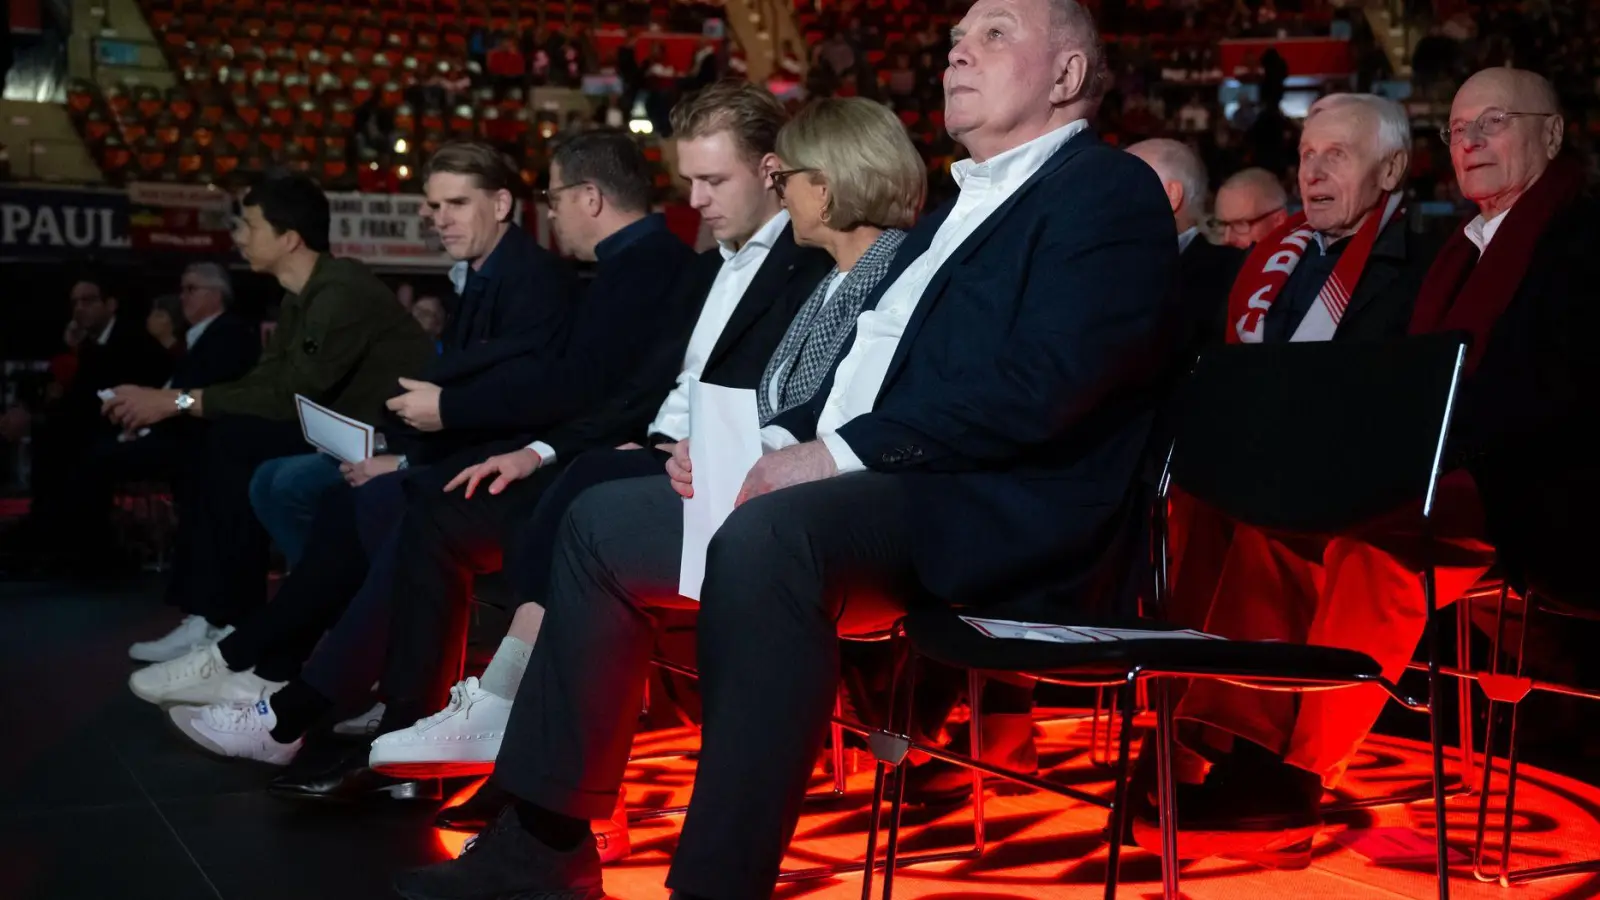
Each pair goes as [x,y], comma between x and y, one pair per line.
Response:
[1261,795]
[1250,205]
[1519,278]
[1205,270]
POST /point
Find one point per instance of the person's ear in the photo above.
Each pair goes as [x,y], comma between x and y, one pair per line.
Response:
[1175,194]
[1072,80]
[1555,131]
[769,164]
[503,204]
[1393,170]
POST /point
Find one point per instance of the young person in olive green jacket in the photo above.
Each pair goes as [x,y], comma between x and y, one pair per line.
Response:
[342,340]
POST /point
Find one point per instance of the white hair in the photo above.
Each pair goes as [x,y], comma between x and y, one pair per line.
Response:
[215,276]
[1394,127]
[1175,161]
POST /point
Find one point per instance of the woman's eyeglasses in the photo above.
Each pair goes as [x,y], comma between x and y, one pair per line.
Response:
[781,178]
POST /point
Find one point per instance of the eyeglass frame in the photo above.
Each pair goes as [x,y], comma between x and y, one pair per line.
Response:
[548,195]
[782,176]
[1447,132]
[1245,224]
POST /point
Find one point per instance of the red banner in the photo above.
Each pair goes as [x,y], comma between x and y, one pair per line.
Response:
[1305,56]
[25,16]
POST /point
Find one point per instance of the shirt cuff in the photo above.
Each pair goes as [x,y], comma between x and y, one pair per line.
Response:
[547,453]
[776,437]
[844,459]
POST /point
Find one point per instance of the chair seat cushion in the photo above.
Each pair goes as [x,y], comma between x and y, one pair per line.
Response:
[942,635]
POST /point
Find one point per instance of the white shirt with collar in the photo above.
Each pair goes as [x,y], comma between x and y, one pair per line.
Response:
[1481,232]
[105,333]
[984,188]
[739,268]
[1187,237]
[192,336]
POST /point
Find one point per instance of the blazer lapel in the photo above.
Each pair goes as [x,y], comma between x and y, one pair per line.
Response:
[1383,267]
[765,289]
[935,289]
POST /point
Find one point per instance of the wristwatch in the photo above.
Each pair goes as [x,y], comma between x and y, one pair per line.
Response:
[402,464]
[185,401]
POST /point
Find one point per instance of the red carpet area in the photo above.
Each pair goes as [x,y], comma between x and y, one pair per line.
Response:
[1045,846]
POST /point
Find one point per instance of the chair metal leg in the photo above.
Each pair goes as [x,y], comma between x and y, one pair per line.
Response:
[1464,687]
[975,737]
[1495,711]
[870,861]
[1167,787]
[1436,732]
[1117,823]
[836,737]
[892,849]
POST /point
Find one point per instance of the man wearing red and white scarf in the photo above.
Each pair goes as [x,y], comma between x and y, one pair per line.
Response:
[1345,268]
[1520,280]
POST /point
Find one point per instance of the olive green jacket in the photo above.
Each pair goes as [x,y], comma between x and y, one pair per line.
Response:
[343,342]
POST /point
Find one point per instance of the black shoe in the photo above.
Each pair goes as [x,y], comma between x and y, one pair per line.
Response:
[507,863]
[1008,742]
[483,807]
[346,779]
[1253,806]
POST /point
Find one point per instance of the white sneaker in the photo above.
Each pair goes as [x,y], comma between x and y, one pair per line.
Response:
[241,731]
[200,678]
[192,633]
[364,725]
[461,739]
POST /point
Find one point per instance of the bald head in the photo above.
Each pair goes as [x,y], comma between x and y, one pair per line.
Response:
[1250,205]
[1182,175]
[1505,128]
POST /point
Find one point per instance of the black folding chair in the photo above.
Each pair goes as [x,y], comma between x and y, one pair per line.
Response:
[1301,439]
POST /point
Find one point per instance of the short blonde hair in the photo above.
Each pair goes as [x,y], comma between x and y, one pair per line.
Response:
[749,112]
[874,174]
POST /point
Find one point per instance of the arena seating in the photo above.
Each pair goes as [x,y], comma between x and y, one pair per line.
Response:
[356,97]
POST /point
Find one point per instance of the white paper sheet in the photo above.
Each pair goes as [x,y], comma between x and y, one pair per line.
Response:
[339,436]
[1076,634]
[724,442]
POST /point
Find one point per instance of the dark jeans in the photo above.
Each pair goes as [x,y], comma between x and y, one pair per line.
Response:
[285,494]
[220,567]
[445,540]
[785,573]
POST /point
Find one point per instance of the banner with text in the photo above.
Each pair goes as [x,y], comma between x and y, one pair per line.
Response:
[37,222]
[384,230]
[185,217]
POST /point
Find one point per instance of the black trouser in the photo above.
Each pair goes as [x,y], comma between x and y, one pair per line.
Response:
[220,567]
[349,525]
[447,539]
[784,573]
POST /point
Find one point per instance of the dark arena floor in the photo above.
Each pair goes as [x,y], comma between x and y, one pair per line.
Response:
[98,802]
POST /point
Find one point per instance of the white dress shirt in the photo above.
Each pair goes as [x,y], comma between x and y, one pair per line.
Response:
[739,268]
[105,335]
[1187,237]
[192,336]
[1481,232]
[984,188]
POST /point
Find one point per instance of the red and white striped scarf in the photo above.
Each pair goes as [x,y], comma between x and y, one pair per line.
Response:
[1273,260]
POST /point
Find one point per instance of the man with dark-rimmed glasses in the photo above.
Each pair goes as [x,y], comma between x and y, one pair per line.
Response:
[1250,205]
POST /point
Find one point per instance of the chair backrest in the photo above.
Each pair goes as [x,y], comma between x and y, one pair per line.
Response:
[1316,437]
